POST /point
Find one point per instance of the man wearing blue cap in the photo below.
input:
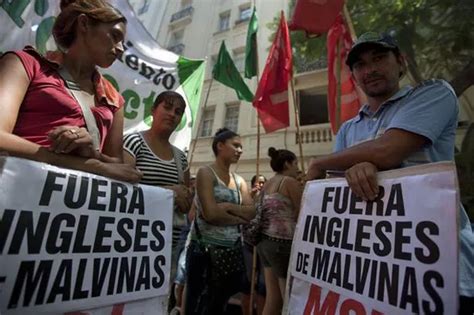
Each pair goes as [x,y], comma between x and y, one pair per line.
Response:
[398,127]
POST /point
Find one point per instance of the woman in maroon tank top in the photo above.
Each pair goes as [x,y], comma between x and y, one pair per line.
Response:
[41,120]
[280,203]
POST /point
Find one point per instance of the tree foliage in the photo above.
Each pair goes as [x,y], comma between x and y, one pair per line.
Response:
[436,36]
[308,52]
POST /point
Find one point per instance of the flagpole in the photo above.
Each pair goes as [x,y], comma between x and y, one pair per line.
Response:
[348,19]
[297,123]
[200,122]
[254,250]
[338,84]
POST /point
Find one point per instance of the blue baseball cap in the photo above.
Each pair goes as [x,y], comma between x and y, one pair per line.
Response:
[369,40]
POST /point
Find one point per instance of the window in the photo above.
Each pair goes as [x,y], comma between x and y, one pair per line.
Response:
[313,107]
[245,13]
[232,117]
[239,61]
[224,21]
[207,121]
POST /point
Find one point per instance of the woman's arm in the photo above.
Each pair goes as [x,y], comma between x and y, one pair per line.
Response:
[128,158]
[14,84]
[78,141]
[247,209]
[211,212]
[113,145]
[182,194]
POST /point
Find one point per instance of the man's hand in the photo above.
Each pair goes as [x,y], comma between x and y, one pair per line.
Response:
[362,179]
[314,171]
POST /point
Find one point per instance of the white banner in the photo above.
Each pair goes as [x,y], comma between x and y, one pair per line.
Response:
[144,71]
[396,255]
[71,241]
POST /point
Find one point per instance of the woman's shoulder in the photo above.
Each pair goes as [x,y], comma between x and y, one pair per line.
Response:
[28,52]
[31,59]
[183,159]
[205,170]
[51,59]
[179,151]
[181,155]
[290,180]
[239,179]
[207,173]
[282,184]
[132,139]
[290,186]
[133,136]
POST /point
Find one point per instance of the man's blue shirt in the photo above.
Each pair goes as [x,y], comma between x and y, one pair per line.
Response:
[430,110]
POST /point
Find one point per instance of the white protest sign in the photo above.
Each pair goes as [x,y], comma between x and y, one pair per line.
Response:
[71,241]
[396,255]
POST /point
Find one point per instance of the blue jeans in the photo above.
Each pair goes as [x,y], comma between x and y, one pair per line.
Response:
[204,296]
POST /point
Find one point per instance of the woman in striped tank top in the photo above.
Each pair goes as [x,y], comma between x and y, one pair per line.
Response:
[164,165]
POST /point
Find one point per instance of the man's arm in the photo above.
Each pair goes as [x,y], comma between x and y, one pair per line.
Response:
[361,162]
[385,152]
[431,109]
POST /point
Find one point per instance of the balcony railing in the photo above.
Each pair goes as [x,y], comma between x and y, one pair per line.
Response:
[177,49]
[314,135]
[188,11]
[302,65]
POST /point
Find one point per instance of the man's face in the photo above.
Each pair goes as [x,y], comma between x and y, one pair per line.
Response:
[377,72]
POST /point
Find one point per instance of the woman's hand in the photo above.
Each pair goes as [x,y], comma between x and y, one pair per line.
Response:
[255,191]
[71,139]
[182,197]
[235,211]
[118,171]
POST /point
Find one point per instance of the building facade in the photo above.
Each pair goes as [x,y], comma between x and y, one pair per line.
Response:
[196,28]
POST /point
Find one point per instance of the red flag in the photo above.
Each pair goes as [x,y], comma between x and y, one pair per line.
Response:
[271,98]
[351,96]
[315,16]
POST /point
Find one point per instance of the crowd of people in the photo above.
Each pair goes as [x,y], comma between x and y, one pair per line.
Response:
[45,101]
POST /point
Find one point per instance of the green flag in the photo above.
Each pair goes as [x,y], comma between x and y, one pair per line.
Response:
[226,73]
[251,48]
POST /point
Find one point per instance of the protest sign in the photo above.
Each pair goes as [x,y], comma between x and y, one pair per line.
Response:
[140,74]
[71,241]
[395,255]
